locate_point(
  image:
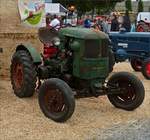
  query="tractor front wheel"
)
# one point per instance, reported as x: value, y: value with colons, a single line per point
x: 131, y: 90
x: 56, y: 100
x: 146, y: 68
x: 136, y: 64
x: 23, y: 74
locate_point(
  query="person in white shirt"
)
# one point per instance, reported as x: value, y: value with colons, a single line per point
x: 55, y: 23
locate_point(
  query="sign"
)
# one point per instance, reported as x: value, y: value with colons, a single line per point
x: 32, y: 12
x: 55, y: 8
x: 123, y: 45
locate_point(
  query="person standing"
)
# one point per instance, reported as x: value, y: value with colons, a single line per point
x: 55, y: 23
x: 87, y: 22
x: 105, y: 25
x: 126, y: 22
x: 114, y: 23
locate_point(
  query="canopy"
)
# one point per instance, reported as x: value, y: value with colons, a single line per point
x: 55, y: 8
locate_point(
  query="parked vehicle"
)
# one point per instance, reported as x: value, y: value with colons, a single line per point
x: 143, y: 22
x: 134, y: 46
x: 76, y: 59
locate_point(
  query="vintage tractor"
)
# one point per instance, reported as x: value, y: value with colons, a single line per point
x: 75, y: 63
x: 132, y: 46
x: 143, y: 22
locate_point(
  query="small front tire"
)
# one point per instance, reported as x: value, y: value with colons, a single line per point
x: 56, y: 100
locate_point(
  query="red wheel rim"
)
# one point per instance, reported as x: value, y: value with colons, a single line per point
x: 54, y: 101
x: 148, y: 69
x: 129, y: 91
x: 18, y: 75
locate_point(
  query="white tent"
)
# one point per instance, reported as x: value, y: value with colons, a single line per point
x: 55, y: 8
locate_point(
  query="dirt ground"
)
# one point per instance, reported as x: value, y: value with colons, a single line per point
x: 9, y: 42
x: 94, y: 118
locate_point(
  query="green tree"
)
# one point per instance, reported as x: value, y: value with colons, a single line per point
x: 104, y: 8
x: 87, y: 5
x: 128, y: 5
x: 140, y: 6
x: 82, y: 6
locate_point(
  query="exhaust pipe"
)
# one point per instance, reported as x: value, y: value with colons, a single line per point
x: 1, y: 50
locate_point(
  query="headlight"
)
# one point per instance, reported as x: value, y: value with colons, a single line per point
x: 56, y: 41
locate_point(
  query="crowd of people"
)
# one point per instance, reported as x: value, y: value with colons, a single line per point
x: 111, y: 23
x: 102, y: 23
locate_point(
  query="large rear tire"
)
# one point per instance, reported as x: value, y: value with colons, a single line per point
x: 56, y: 100
x: 146, y: 69
x: 23, y: 74
x: 131, y: 91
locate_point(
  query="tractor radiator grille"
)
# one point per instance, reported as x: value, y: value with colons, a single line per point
x: 95, y: 49
x: 92, y: 49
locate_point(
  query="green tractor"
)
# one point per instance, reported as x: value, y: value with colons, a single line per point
x: 75, y: 63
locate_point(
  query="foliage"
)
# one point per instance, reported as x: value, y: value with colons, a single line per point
x: 104, y: 8
x: 140, y: 6
x: 128, y: 5
x: 83, y: 6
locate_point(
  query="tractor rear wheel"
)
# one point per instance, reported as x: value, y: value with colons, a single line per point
x: 131, y: 89
x: 23, y: 74
x: 56, y: 100
x: 136, y: 64
x: 146, y: 68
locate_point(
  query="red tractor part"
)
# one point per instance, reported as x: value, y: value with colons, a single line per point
x: 143, y: 27
x: 146, y: 68
x: 49, y: 51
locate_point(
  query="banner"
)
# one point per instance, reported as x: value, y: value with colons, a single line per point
x: 32, y: 12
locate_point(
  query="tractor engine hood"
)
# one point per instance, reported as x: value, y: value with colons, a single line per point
x: 130, y: 34
x: 82, y: 33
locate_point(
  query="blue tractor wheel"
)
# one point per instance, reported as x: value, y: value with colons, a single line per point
x: 146, y: 68
x: 136, y: 64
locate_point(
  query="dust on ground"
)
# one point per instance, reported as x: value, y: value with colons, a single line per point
x: 94, y: 118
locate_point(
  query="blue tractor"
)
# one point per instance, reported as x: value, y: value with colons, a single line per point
x: 134, y: 46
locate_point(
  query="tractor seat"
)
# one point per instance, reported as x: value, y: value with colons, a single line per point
x: 46, y: 35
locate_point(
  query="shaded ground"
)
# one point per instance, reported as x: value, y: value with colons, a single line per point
x: 94, y: 118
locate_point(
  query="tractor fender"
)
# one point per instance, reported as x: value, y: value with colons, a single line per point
x: 36, y: 57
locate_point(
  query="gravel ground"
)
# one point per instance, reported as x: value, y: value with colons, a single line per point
x: 133, y: 130
x: 93, y: 119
